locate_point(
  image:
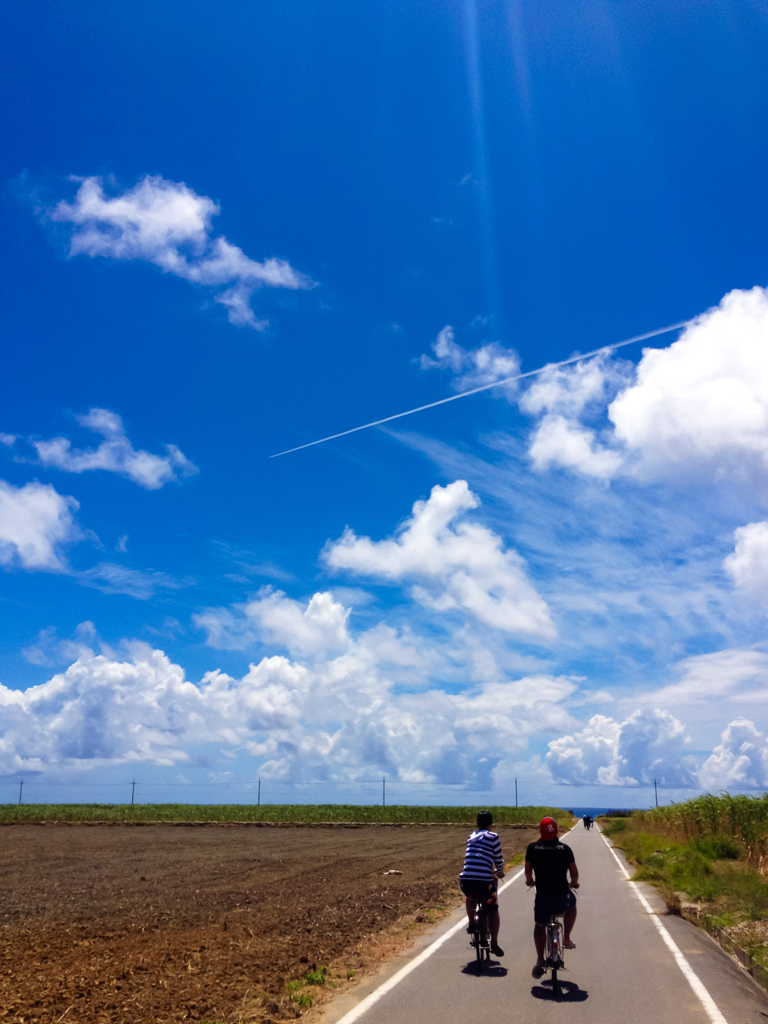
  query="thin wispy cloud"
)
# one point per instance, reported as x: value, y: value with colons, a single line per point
x: 168, y: 224
x: 112, y: 578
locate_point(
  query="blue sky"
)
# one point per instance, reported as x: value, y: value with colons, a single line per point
x: 230, y: 230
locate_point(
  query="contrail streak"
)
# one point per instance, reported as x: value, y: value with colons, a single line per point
x: 487, y: 387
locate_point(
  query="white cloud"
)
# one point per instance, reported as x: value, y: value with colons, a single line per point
x: 112, y: 578
x: 168, y: 224
x: 101, y: 710
x: 647, y: 745
x: 273, y: 618
x: 557, y: 441
x: 748, y: 565
x: 115, y: 454
x: 455, y: 564
x: 9, y: 440
x: 326, y: 715
x: 35, y: 524
x: 335, y: 708
x: 472, y: 368
x: 733, y: 675
x: 48, y: 648
x: 560, y: 396
x: 569, y: 390
x: 704, y: 399
x: 739, y: 761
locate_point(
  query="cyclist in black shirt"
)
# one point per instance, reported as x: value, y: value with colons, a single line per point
x: 548, y: 863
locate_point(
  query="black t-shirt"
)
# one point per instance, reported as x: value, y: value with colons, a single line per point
x: 550, y: 859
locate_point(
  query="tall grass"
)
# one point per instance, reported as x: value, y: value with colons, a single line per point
x: 740, y: 818
x: 268, y: 813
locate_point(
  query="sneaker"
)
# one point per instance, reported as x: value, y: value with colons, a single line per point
x: 538, y: 969
x: 496, y: 949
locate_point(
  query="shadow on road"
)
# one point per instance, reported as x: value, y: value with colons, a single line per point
x: 569, y: 992
x: 490, y: 969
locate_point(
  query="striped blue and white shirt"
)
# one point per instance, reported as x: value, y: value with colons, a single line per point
x: 483, y: 852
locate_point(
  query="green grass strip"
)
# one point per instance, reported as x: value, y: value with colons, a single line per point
x: 278, y: 813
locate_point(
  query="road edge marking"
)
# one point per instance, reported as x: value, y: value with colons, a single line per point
x: 710, y: 1006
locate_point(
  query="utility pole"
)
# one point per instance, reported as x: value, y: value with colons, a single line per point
x: 133, y: 791
x: 383, y: 792
x: 515, y: 792
x: 655, y: 790
x: 258, y: 795
x: 21, y: 786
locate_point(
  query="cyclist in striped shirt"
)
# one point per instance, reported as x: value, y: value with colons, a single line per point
x: 483, y: 864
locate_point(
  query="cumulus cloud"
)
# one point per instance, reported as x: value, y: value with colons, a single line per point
x: 739, y: 761
x: 455, y: 564
x: 35, y: 524
x: 115, y: 454
x: 569, y: 390
x: 704, y: 399
x: 474, y: 367
x: 274, y: 618
x: 748, y: 565
x: 561, y: 396
x: 557, y: 441
x: 700, y: 403
x: 334, y: 707
x: 313, y: 715
x: 168, y: 224
x: 647, y: 745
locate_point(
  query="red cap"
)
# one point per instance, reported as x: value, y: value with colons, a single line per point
x: 548, y: 828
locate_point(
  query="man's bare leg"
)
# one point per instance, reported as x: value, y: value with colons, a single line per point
x: 569, y: 918
x: 539, y: 940
x: 494, y: 920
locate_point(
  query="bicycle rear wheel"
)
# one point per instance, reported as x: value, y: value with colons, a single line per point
x: 481, y: 938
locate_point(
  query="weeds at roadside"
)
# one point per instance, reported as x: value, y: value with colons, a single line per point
x: 704, y: 870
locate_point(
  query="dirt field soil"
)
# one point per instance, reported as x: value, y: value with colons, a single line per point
x: 134, y: 925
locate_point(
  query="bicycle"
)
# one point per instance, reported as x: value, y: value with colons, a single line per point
x: 553, y: 948
x: 481, y: 935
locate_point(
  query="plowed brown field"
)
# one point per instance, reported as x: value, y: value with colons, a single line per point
x: 140, y: 924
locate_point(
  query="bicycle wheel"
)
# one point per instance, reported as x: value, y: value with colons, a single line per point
x: 477, y: 937
x: 555, y: 983
x: 481, y: 938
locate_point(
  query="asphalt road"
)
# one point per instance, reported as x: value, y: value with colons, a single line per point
x: 631, y: 964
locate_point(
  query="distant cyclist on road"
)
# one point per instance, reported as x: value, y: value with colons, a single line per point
x: 587, y: 819
x: 548, y: 863
x: 483, y: 864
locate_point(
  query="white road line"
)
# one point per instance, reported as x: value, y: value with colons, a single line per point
x: 706, y: 1000
x: 362, y: 1007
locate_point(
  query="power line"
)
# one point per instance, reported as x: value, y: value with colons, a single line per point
x: 487, y: 387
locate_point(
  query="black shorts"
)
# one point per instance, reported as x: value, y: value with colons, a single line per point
x: 545, y: 905
x: 480, y: 890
